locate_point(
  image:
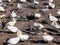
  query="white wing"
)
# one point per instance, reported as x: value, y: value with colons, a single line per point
x: 13, y: 14
x: 24, y: 37
x: 12, y: 28
x: 13, y: 40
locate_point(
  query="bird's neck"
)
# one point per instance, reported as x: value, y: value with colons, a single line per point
x: 19, y: 33
x: 14, y: 19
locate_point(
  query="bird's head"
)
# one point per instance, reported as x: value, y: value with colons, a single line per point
x: 45, y: 33
x: 19, y: 33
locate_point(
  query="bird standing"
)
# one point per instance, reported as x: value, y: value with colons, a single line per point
x: 52, y: 18
x: 55, y: 25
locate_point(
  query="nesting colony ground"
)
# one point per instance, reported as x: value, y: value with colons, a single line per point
x: 23, y: 25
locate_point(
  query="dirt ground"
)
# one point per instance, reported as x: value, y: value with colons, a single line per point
x: 23, y: 25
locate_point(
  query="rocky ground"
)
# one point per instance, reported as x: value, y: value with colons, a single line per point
x: 23, y: 25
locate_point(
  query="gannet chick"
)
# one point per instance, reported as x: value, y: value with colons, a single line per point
x: 23, y: 0
x: 23, y: 37
x: 51, y: 5
x: 52, y: 18
x: 13, y: 14
x: 58, y: 12
x: 40, y: 26
x: 12, y: 23
x: 13, y: 41
x: 2, y: 8
x: 51, y: 0
x: 19, y: 6
x: 47, y: 37
x: 55, y: 25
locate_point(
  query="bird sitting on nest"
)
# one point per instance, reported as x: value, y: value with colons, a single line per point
x: 12, y: 28
x: 51, y: 5
x: 47, y: 37
x: 58, y: 12
x: 55, y: 25
x: 51, y: 18
x: 35, y: 15
x: 13, y: 41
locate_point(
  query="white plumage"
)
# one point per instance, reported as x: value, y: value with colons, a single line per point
x: 19, y: 33
x: 1, y: 16
x: 38, y: 24
x: 58, y: 12
x: 12, y: 23
x: 19, y: 6
x: 51, y: 5
x: 55, y: 25
x: 36, y: 2
x: 47, y: 37
x: 13, y: 14
x: 2, y: 8
x: 13, y: 41
x: 9, y: 0
x: 23, y: 0
x: 52, y: 18
x: 23, y: 37
x: 0, y: 1
x: 37, y: 15
x: 50, y: 0
x: 35, y: 24
x: 12, y: 28
x: 19, y: 37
